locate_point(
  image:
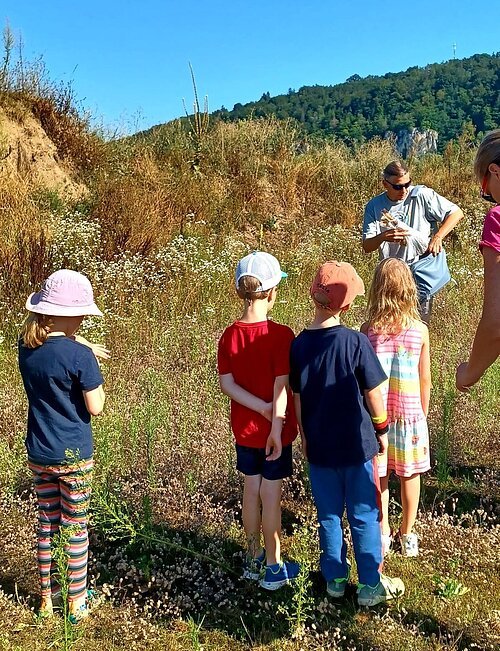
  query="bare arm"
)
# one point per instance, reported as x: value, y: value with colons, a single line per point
x: 99, y: 350
x: 94, y: 400
x: 448, y: 224
x: 486, y: 346
x: 279, y: 412
x: 244, y: 397
x: 424, y: 371
x: 376, y: 407
x: 298, y: 414
x: 371, y: 244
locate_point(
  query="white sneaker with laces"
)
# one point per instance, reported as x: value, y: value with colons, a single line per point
x: 409, y: 544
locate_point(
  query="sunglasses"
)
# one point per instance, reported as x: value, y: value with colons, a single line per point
x: 399, y: 186
x: 484, y: 192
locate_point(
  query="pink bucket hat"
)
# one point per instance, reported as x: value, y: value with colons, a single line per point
x: 64, y: 293
x: 336, y: 285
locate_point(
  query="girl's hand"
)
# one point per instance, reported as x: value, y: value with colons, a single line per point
x: 99, y: 350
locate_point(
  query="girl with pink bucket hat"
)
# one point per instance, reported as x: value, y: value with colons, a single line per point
x: 63, y: 383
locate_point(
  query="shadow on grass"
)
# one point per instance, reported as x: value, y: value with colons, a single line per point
x: 170, y: 574
x: 167, y: 573
x: 466, y: 490
x: 447, y: 636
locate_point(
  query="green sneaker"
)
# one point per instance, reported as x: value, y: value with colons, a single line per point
x: 385, y: 590
x: 336, y: 587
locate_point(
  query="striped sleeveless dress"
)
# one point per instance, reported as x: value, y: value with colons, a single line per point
x: 408, y: 451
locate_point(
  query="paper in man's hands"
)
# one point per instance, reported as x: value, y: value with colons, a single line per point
x: 414, y: 241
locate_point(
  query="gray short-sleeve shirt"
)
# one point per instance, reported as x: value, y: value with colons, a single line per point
x: 418, y: 209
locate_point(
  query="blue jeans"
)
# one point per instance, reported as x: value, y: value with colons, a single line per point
x: 357, y: 488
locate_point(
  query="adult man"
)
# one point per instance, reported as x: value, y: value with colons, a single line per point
x: 408, y: 222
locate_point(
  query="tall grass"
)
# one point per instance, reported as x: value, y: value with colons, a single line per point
x: 166, y: 281
x: 160, y: 244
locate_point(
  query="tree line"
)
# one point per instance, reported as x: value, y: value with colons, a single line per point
x: 447, y: 97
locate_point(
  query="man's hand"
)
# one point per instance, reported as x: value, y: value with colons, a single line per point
x: 395, y: 235
x: 273, y: 443
x: 435, y: 244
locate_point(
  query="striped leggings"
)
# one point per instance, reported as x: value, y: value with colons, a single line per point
x: 63, y: 494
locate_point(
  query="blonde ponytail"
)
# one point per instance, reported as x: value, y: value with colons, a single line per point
x: 35, y: 329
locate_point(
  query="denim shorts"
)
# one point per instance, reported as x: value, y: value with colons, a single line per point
x: 252, y: 461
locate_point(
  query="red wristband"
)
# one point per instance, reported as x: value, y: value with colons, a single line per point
x: 381, y: 428
x: 381, y: 431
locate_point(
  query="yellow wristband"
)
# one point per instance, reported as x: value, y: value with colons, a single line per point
x: 379, y: 419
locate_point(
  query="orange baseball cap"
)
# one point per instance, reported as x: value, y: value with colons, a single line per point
x: 336, y: 285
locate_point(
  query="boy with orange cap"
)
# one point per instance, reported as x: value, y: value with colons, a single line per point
x: 336, y: 378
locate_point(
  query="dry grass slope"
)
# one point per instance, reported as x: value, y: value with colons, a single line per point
x: 159, y: 240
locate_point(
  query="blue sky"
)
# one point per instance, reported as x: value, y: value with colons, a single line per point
x: 128, y: 60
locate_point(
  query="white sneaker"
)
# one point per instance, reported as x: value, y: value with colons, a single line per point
x: 409, y: 544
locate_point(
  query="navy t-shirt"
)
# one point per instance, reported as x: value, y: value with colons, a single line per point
x: 331, y: 368
x: 55, y: 375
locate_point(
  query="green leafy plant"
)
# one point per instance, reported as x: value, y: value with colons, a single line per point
x: 448, y: 587
x: 444, y: 435
x: 60, y: 545
x: 193, y: 633
x: 299, y: 611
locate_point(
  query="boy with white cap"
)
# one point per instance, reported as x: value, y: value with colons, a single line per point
x: 253, y: 365
x: 336, y: 378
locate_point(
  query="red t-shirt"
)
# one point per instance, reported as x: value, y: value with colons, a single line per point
x: 256, y: 354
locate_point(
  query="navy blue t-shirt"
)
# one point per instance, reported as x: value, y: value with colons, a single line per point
x: 331, y: 368
x: 55, y: 375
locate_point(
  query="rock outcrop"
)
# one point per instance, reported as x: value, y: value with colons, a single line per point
x: 412, y: 142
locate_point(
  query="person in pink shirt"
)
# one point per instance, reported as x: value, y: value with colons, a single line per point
x: 486, y: 346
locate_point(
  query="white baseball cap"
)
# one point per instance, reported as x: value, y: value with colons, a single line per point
x: 262, y: 266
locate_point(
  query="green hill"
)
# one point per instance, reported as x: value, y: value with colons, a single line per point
x: 441, y: 96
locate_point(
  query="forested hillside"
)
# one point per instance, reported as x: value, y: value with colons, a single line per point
x: 158, y: 224
x: 444, y: 97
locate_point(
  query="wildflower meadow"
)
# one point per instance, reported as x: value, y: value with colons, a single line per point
x: 159, y: 238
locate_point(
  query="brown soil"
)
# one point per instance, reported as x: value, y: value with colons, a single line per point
x: 27, y: 151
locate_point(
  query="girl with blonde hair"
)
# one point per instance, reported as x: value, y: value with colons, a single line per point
x: 401, y: 342
x: 63, y: 384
